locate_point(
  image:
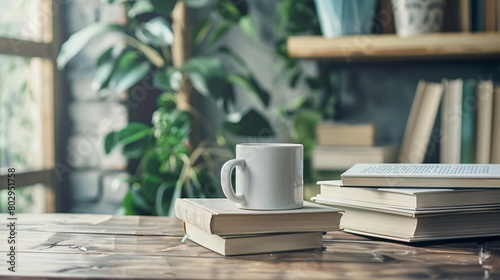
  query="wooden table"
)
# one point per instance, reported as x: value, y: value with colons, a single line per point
x: 104, y: 246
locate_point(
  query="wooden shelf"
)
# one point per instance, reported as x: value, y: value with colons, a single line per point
x: 387, y: 46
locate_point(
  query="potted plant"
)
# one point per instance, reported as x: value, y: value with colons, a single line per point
x: 170, y: 163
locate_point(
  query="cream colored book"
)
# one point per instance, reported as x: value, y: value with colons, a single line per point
x: 343, y: 157
x: 409, y: 198
x: 413, y: 227
x: 423, y: 175
x: 221, y: 216
x: 231, y: 245
x: 420, y: 122
x: 484, y: 97
x: 341, y: 134
x: 451, y: 121
x: 495, y: 133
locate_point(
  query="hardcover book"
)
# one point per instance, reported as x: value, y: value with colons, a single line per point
x: 344, y: 134
x: 484, y: 97
x: 451, y: 121
x: 412, y: 226
x: 495, y: 128
x: 423, y: 175
x: 343, y: 157
x: 408, y: 198
x: 222, y: 217
x: 230, y: 245
x: 420, y: 122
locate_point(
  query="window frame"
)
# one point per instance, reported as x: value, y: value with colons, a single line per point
x: 47, y: 49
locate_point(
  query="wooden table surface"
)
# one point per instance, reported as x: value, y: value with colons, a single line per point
x: 103, y: 246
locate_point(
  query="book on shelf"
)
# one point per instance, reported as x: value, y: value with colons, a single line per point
x: 343, y: 157
x: 497, y: 14
x: 451, y: 121
x: 231, y: 245
x: 477, y: 15
x: 420, y: 122
x: 484, y: 97
x: 345, y: 134
x: 468, y: 126
x: 423, y: 175
x: 489, y: 15
x: 221, y: 216
x: 465, y: 15
x: 409, y: 198
x: 495, y: 130
x: 412, y: 226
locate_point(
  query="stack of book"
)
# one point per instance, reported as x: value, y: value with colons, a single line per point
x: 340, y: 145
x: 417, y: 202
x: 218, y: 225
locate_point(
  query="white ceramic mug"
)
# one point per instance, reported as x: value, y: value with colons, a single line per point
x: 269, y: 176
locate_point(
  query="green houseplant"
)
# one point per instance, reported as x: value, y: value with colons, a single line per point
x: 299, y: 17
x: 170, y: 164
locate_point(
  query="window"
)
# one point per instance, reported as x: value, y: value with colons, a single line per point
x: 29, y: 87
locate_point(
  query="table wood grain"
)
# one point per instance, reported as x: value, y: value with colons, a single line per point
x: 86, y: 246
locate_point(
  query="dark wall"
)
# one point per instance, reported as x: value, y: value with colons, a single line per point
x: 382, y: 91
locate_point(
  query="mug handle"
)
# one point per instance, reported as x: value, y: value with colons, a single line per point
x: 225, y: 179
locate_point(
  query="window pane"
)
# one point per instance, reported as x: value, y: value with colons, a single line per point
x: 21, y: 111
x: 23, y: 19
x: 29, y: 199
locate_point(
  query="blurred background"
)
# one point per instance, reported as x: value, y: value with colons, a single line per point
x: 122, y: 106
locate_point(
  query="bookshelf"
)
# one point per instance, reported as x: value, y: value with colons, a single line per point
x: 390, y: 46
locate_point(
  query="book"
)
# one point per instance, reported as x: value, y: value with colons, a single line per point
x: 231, y: 245
x: 497, y: 15
x: 465, y: 16
x: 221, y: 216
x: 420, y: 122
x: 342, y: 134
x: 423, y: 175
x: 484, y: 97
x: 468, y: 131
x: 414, y: 226
x: 451, y: 121
x: 495, y: 130
x: 477, y: 15
x: 489, y: 15
x: 408, y: 198
x: 343, y: 157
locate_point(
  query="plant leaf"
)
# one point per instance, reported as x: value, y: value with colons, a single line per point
x: 110, y: 142
x: 140, y: 8
x: 228, y: 11
x: 129, y: 70
x: 138, y: 148
x: 251, y: 123
x: 78, y: 40
x: 220, y: 31
x: 250, y: 84
x: 247, y: 24
x: 206, y: 75
x: 227, y: 51
x: 156, y: 32
x: 133, y: 132
x: 163, y: 7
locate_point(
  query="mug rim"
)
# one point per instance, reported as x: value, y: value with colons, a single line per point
x: 269, y: 145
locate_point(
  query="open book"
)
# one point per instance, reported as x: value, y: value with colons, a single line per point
x: 423, y: 175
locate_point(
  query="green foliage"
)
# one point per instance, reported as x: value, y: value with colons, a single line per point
x: 168, y: 166
x: 299, y: 17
